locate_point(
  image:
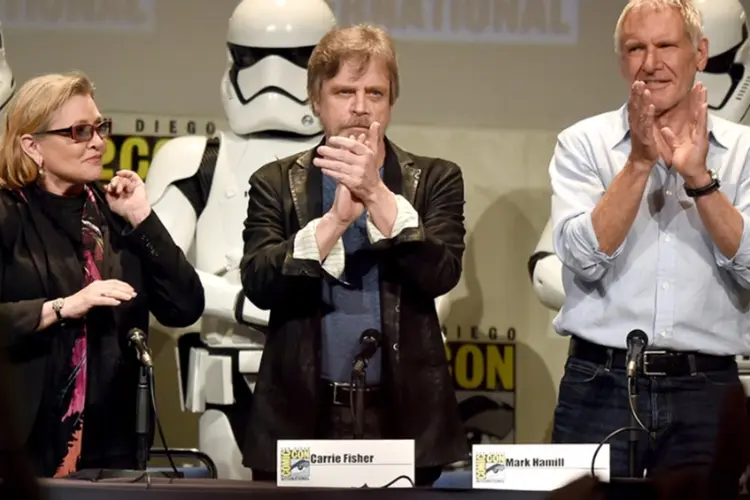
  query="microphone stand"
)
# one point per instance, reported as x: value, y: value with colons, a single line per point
x: 636, y: 341
x: 633, y: 424
x: 370, y: 341
x: 144, y: 419
x: 357, y: 405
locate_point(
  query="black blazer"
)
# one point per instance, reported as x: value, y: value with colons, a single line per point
x: 38, y: 263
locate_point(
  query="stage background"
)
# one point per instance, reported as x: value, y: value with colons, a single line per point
x: 491, y: 97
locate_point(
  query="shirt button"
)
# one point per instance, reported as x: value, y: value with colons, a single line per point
x: 397, y: 308
x: 395, y: 346
x: 665, y: 286
x: 668, y: 192
x: 667, y: 238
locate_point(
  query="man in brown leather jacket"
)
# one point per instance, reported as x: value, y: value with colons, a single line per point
x: 355, y: 234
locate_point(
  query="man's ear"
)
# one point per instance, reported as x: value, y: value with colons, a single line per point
x: 701, y: 54
x: 30, y: 146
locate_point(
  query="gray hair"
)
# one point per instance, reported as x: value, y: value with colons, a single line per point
x: 690, y: 15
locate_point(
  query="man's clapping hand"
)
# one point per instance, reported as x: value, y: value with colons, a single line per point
x: 347, y: 207
x: 354, y: 162
x: 686, y: 148
x: 641, y: 118
x: 689, y: 147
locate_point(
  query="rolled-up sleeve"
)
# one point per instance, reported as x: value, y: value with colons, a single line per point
x: 406, y: 218
x: 306, y: 247
x: 739, y: 265
x: 576, y: 189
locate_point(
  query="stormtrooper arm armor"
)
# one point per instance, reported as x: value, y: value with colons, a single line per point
x: 545, y: 269
x: 176, y: 160
x: 179, y: 217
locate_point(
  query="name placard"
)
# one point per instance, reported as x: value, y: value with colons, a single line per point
x: 535, y: 467
x: 350, y: 463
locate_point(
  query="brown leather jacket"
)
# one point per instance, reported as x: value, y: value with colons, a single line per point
x: 416, y: 267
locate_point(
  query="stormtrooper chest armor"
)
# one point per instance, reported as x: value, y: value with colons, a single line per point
x: 219, y: 245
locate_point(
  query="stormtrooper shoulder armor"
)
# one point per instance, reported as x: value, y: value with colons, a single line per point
x: 178, y: 161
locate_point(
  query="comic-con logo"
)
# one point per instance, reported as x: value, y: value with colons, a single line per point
x: 295, y: 464
x: 489, y: 467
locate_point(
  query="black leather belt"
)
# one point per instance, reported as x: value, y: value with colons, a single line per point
x: 339, y: 394
x: 655, y: 363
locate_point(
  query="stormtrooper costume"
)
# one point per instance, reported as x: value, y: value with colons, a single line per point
x: 198, y: 187
x: 726, y: 77
x: 7, y: 82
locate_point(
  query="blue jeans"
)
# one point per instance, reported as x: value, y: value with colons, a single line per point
x: 684, y: 411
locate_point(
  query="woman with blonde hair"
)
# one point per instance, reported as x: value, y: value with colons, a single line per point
x: 80, y: 265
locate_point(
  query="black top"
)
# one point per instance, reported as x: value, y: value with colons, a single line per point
x: 52, y: 432
x: 65, y: 212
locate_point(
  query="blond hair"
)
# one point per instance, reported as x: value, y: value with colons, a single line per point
x: 30, y: 111
x: 360, y: 44
x: 690, y: 14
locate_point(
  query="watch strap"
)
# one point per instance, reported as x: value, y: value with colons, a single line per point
x: 704, y: 190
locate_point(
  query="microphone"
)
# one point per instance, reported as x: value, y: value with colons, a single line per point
x: 138, y: 339
x: 369, y: 343
x: 637, y: 341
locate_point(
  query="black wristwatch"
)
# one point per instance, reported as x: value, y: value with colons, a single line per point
x: 707, y: 189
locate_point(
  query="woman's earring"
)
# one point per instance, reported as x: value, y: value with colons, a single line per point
x: 41, y: 168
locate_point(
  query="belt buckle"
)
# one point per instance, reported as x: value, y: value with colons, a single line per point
x: 645, y: 363
x: 336, y: 387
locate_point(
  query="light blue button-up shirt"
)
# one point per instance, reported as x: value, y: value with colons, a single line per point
x: 667, y: 278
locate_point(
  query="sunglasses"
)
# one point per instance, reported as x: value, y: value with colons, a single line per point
x: 84, y: 132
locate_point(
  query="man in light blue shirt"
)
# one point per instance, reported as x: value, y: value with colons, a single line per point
x: 650, y: 210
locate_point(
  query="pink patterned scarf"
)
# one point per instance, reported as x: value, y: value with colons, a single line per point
x: 93, y: 255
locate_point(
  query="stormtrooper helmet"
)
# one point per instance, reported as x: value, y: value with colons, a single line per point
x: 726, y: 75
x: 264, y: 87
